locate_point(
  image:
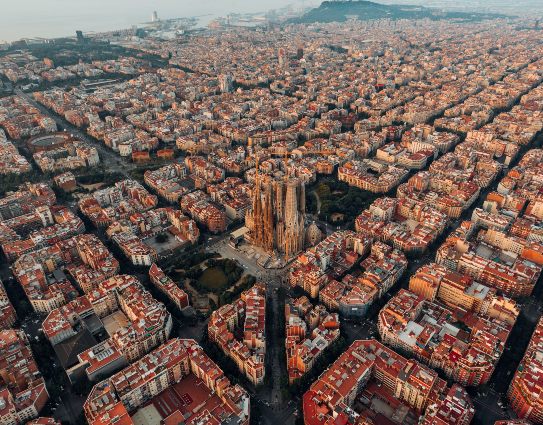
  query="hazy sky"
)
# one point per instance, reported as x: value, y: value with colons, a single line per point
x: 54, y: 18
x: 50, y: 18
x: 531, y: 8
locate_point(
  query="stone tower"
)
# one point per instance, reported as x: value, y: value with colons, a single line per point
x: 277, y: 218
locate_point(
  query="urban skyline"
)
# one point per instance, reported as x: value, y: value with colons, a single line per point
x: 322, y: 214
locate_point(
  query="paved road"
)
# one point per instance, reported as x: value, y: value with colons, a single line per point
x: 250, y: 265
x: 367, y: 329
x: 269, y: 415
x: 278, y: 411
x: 274, y: 348
x: 107, y: 156
x: 488, y: 403
x: 195, y: 332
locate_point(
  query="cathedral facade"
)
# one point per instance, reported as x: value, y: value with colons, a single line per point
x: 276, y: 220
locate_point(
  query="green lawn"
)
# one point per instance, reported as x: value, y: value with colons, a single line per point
x: 213, y: 278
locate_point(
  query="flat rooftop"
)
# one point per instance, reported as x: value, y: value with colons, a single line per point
x: 147, y: 415
x: 188, y: 396
x: 115, y: 321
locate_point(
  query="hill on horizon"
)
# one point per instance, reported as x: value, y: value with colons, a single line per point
x: 341, y: 11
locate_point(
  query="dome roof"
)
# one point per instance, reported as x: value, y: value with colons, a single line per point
x: 313, y: 235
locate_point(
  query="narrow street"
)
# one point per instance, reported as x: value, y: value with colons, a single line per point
x: 272, y: 402
x: 276, y: 346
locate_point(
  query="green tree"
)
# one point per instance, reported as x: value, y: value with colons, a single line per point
x: 161, y: 238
